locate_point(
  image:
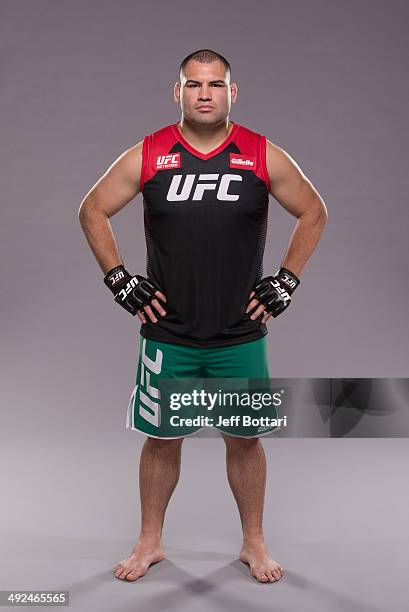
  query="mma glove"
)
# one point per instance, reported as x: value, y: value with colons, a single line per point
x: 275, y: 291
x: 131, y: 292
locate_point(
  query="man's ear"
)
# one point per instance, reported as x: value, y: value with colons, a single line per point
x: 234, y: 91
x: 176, y: 92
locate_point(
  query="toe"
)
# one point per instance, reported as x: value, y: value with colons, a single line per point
x: 271, y: 576
x: 123, y: 574
x: 262, y: 578
x: 132, y: 575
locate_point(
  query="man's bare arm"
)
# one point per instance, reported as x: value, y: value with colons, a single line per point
x: 116, y: 188
x: 295, y: 192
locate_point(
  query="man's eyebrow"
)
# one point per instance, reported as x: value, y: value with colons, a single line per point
x: 199, y: 82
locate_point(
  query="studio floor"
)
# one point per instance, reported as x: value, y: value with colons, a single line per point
x: 335, y: 518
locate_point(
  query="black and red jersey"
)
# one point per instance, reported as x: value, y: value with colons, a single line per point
x: 205, y: 219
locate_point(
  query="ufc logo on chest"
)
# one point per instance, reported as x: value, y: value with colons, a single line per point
x: 181, y: 186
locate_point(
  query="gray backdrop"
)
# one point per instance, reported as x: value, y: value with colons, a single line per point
x: 80, y: 83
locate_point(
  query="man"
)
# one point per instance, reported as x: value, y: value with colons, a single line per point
x: 204, y: 304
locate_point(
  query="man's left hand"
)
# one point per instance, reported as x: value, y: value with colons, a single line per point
x: 272, y: 295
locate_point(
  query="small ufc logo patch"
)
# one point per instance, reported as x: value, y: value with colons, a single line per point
x: 169, y: 161
x: 245, y: 162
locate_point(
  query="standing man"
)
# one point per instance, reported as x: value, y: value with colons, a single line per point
x: 203, y: 304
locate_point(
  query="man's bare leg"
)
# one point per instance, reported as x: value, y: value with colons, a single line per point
x: 246, y: 472
x: 159, y: 470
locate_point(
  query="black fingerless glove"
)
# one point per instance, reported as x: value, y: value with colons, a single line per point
x: 131, y: 292
x: 274, y: 292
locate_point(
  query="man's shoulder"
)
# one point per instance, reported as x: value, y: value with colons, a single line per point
x: 160, y: 141
x: 160, y: 133
x: 249, y: 138
x: 250, y: 142
x: 249, y: 132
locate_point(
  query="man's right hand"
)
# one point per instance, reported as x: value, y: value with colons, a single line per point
x: 135, y: 293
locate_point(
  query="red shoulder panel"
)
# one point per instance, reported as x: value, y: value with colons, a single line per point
x: 254, y: 144
x: 155, y: 144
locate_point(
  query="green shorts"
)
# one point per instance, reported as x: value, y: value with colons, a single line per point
x: 181, y: 389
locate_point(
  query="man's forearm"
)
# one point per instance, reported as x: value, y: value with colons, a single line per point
x: 100, y: 237
x: 303, y: 241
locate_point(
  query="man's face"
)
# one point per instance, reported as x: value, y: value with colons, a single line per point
x: 205, y: 93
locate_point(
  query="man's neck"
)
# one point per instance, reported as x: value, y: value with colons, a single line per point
x: 204, y: 138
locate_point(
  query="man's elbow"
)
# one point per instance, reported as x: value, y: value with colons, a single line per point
x: 318, y: 211
x: 81, y: 211
x: 312, y: 206
x: 87, y: 209
x: 315, y: 213
x: 84, y: 211
x: 322, y: 212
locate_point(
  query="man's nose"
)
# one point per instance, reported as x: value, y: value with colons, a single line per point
x: 204, y: 93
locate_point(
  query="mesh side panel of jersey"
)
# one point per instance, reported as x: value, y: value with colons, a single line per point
x: 260, y: 249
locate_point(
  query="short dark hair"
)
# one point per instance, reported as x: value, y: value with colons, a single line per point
x: 206, y: 56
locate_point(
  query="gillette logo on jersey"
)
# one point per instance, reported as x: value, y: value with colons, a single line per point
x: 241, y: 162
x: 205, y: 217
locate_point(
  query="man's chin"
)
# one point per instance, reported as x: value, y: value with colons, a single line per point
x: 209, y: 118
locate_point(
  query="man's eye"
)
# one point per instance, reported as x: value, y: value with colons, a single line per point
x: 197, y: 85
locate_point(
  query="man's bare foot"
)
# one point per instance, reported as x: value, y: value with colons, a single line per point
x: 143, y: 555
x: 262, y: 566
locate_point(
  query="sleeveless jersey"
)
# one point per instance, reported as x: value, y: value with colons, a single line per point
x: 205, y: 218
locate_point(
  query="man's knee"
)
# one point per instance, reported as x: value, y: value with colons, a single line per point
x: 164, y: 443
x: 240, y: 443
